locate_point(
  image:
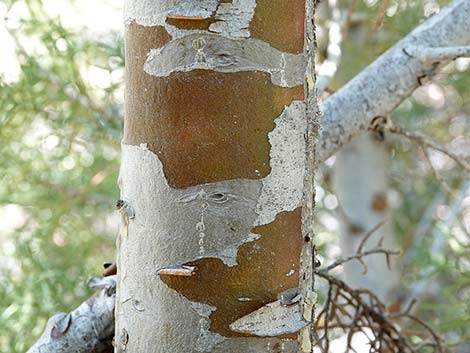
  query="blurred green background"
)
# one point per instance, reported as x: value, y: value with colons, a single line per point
x: 61, y: 113
x: 60, y: 127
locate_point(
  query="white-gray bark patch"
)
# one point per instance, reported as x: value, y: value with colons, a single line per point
x: 273, y: 319
x: 233, y: 19
x: 207, y: 340
x: 202, y: 9
x: 148, y: 12
x: 218, y: 53
x: 283, y: 187
x: 208, y: 220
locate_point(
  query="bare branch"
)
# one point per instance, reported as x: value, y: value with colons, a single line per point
x: 87, y: 329
x: 360, y: 253
x: 426, y: 54
x: 370, y: 313
x: 368, y: 235
x: 384, y: 84
x: 436, y: 173
x: 347, y: 20
x: 365, y: 313
x: 327, y: 312
x: 436, y: 337
x: 381, y: 15
x: 359, y: 256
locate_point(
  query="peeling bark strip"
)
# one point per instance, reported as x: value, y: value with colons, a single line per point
x: 215, y: 170
x: 267, y: 20
x: 239, y: 290
x: 213, y: 52
x: 273, y: 319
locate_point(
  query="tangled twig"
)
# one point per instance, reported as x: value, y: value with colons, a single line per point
x: 351, y: 311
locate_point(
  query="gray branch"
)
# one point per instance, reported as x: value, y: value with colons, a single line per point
x: 87, y: 329
x: 430, y: 55
x: 385, y: 83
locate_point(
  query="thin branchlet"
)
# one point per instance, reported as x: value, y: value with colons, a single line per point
x: 352, y: 311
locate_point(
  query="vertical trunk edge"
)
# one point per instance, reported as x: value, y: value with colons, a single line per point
x: 312, y: 113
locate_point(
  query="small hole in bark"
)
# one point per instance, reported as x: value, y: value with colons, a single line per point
x: 307, y: 239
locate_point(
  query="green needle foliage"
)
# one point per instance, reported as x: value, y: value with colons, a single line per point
x: 59, y: 161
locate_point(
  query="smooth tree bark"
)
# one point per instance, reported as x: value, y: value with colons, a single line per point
x: 215, y: 252
x: 360, y: 181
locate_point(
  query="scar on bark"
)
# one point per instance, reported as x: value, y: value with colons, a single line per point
x: 379, y: 125
x: 261, y: 274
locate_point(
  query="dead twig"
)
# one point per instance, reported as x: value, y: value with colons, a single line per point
x: 428, y: 142
x: 381, y: 15
x: 436, y: 173
x: 359, y: 310
x: 368, y: 235
x: 342, y: 261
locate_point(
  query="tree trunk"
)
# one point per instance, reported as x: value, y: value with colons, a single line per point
x: 360, y: 183
x: 215, y: 249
